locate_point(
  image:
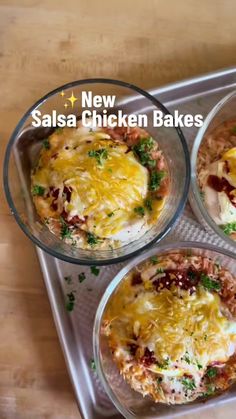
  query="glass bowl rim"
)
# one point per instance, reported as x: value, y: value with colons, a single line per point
x: 10, y: 200
x: 112, y: 287
x: 194, y: 183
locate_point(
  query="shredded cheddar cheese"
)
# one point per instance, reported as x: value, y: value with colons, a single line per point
x: 172, y: 334
x: 107, y: 183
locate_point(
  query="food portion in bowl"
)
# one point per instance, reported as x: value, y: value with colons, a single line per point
x: 100, y: 188
x: 216, y: 173
x: 171, y: 327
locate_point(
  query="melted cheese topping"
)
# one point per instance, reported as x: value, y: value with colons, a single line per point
x: 218, y: 204
x: 230, y: 157
x: 186, y: 332
x: 104, y: 193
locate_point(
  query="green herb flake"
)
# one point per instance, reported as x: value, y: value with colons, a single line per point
x: 70, y: 303
x: 211, y: 372
x: 140, y: 211
x: 154, y: 260
x: 155, y: 180
x: 210, y: 391
x: 92, y: 240
x: 209, y: 283
x: 38, y: 190
x: 110, y: 214
x: 199, y: 366
x: 188, y: 383
x: 46, y: 144
x: 92, y: 365
x: 205, y: 337
x: 186, y: 358
x: 229, y: 228
x: 99, y: 155
x: 65, y: 231
x: 68, y: 279
x: 94, y: 270
x: 160, y: 271
x: 148, y: 204
x: 164, y: 364
x: 142, y: 150
x: 159, y: 380
x: 81, y: 277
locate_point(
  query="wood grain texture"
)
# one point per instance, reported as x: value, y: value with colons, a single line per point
x: 44, y: 44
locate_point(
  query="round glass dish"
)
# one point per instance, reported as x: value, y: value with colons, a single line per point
x: 26, y: 141
x: 224, y: 110
x: 130, y: 403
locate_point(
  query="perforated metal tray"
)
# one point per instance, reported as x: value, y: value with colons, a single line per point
x: 197, y: 95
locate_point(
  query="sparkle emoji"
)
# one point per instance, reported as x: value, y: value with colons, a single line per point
x: 72, y: 99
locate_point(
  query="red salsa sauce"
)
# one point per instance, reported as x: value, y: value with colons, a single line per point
x: 221, y: 185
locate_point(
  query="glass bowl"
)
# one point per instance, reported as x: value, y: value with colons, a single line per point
x: 222, y: 111
x: 130, y: 403
x: 26, y: 141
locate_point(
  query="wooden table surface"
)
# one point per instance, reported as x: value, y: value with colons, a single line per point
x: 44, y: 44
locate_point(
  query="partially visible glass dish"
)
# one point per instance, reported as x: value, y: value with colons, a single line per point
x: 129, y: 402
x: 218, y: 124
x: 23, y: 151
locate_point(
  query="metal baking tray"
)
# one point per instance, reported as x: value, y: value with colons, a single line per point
x: 197, y: 95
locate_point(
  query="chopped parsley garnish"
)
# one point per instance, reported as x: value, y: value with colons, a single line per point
x: 92, y: 365
x: 142, y: 150
x: 38, y: 190
x: 99, y: 155
x: 92, y: 239
x: 186, y: 358
x: 68, y: 279
x: 155, y: 180
x: 148, y: 204
x: 160, y: 271
x: 81, y: 277
x: 211, y: 372
x: 210, y: 284
x: 188, y: 383
x: 205, y: 337
x: 159, y: 379
x: 65, y: 231
x: 154, y: 260
x: 140, y: 211
x: 199, y: 366
x: 94, y: 270
x: 164, y: 364
x: 229, y: 228
x: 110, y: 214
x: 70, y: 301
x: 210, y: 391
